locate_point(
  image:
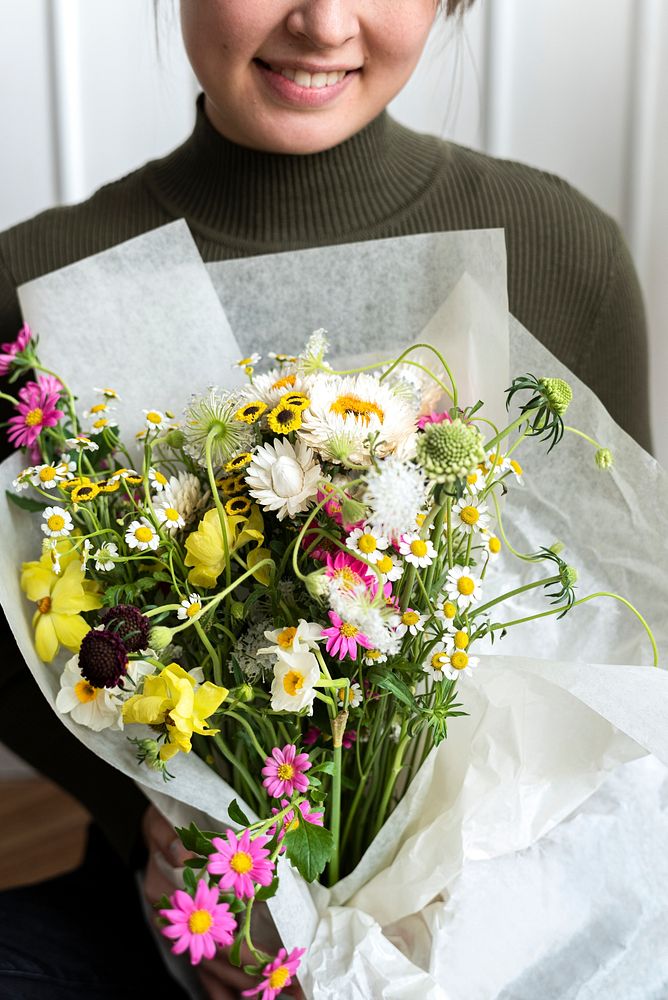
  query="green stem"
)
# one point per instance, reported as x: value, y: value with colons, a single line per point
x: 395, y: 770
x: 523, y: 418
x: 335, y: 825
x: 513, y: 593
x: 249, y: 729
x: 215, y: 659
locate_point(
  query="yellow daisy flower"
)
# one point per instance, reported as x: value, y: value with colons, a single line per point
x: 251, y: 412
x: 284, y: 418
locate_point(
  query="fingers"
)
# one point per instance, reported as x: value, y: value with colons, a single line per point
x: 214, y: 988
x: 160, y: 835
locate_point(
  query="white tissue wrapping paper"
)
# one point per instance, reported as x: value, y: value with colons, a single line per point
x: 528, y: 856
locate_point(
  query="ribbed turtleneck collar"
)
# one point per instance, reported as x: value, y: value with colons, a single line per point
x: 245, y: 197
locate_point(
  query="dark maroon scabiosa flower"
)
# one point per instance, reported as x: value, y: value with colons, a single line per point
x: 103, y: 658
x: 129, y: 623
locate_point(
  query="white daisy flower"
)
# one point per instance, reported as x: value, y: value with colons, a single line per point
x: 49, y: 476
x: 102, y: 424
x: 354, y: 696
x: 82, y: 442
x: 291, y: 639
x: 476, y: 481
x: 283, y: 478
x: 107, y: 392
x: 156, y: 420
x: 283, y: 359
x: 124, y: 474
x: 99, y: 410
x: 168, y: 514
x: 23, y: 480
x: 390, y: 567
x: 517, y: 470
x: 96, y: 708
x: 410, y: 621
x: 395, y: 492
x: 463, y: 586
x: 446, y: 610
x: 295, y: 677
x: 57, y: 522
x: 418, y: 551
x: 492, y: 544
x: 343, y: 412
x: 373, y: 656
x: 55, y: 556
x: 142, y: 535
x: 437, y: 662
x: 157, y: 480
x: 249, y: 362
x: 104, y: 561
x: 87, y: 546
x: 189, y: 607
x: 367, y: 543
x: 459, y: 637
x: 498, y: 462
x: 460, y: 663
x: 470, y: 515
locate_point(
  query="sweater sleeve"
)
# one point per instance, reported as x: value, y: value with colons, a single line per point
x: 28, y: 724
x: 614, y: 363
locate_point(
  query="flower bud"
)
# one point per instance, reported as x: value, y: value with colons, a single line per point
x: 558, y: 393
x: 160, y: 637
x: 317, y: 584
x: 604, y: 458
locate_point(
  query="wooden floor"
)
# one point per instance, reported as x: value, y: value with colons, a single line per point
x: 42, y: 831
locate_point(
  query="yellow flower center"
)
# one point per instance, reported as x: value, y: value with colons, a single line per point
x: 439, y: 660
x: 56, y: 522
x: 461, y: 640
x: 172, y: 514
x: 347, y: 577
x: 159, y: 478
x: 199, y: 921
x: 34, y: 417
x: 419, y: 547
x: 285, y: 772
x: 465, y: 585
x: 350, y: 631
x: 471, y: 479
x: 98, y: 408
x: 286, y: 637
x: 420, y: 519
x: 449, y: 609
x: 193, y: 609
x: 459, y: 660
x: 287, y: 382
x: 44, y: 605
x: 279, y: 977
x: 293, y: 682
x: 153, y: 417
x: 359, y: 409
x: 47, y: 474
x: 241, y: 862
x: 367, y: 544
x: 494, y: 545
x: 85, y: 692
x: 517, y: 468
x: 384, y: 564
x: 143, y: 534
x: 410, y: 618
x: 469, y: 515
x: 102, y: 422
x: 373, y: 654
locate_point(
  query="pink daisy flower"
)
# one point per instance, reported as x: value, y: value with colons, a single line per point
x: 50, y: 384
x: 37, y: 410
x: 289, y: 821
x: 348, y: 572
x: 433, y: 418
x: 277, y: 975
x: 200, y: 923
x: 241, y: 862
x: 343, y: 638
x: 8, y: 351
x: 284, y: 771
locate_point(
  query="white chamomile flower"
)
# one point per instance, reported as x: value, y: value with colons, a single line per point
x: 395, y: 493
x: 390, y: 567
x: 283, y: 359
x: 367, y: 543
x: 293, y: 639
x: 446, y: 610
x: 82, y: 442
x: 373, y: 656
x: 517, y: 470
x: 293, y: 686
x: 55, y: 556
x: 167, y: 514
x: 476, y: 481
x: 49, y: 476
x: 23, y: 480
x: 107, y: 392
x: 283, y: 477
x: 103, y: 423
x: 57, y: 522
x: 99, y: 410
x: 458, y: 637
x: 470, y: 515
x: 104, y: 561
x: 190, y: 606
x: 156, y: 420
x: 96, y: 708
x: 437, y: 662
x: 87, y: 546
x: 463, y: 586
x: 498, y: 462
x: 460, y: 663
x: 492, y: 544
x: 418, y: 551
x: 410, y: 621
x: 249, y: 362
x: 354, y: 696
x: 142, y: 535
x: 157, y: 480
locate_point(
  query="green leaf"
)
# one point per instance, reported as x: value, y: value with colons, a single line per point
x: 235, y: 950
x: 309, y: 848
x: 326, y: 766
x: 25, y: 503
x: 390, y: 682
x: 267, y: 891
x: 236, y: 814
x: 189, y: 880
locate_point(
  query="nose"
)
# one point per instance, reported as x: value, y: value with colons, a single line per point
x: 326, y: 24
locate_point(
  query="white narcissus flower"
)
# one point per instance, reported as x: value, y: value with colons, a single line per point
x: 283, y: 478
x: 295, y: 677
x: 97, y: 708
x: 293, y: 639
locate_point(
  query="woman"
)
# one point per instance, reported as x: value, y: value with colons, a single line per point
x: 293, y: 147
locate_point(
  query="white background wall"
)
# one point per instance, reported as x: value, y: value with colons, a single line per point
x: 577, y: 87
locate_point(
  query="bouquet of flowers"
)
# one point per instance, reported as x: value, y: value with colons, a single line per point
x: 292, y: 584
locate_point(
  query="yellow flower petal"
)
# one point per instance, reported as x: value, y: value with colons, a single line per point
x: 36, y: 581
x: 70, y: 630
x: 149, y: 710
x: 46, y: 640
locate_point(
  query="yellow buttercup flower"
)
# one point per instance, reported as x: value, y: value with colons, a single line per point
x: 206, y: 551
x: 60, y: 599
x: 173, y: 698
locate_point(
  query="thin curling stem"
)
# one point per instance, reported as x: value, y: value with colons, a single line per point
x: 574, y: 430
x: 428, y: 347
x: 526, y: 557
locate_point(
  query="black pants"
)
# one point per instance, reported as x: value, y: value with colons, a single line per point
x: 81, y: 936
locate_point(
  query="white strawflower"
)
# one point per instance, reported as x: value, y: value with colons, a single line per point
x: 188, y: 495
x: 283, y: 478
x: 396, y: 493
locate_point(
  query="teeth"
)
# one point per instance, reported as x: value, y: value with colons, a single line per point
x: 315, y: 80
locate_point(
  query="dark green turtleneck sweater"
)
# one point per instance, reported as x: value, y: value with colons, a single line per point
x: 571, y: 282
